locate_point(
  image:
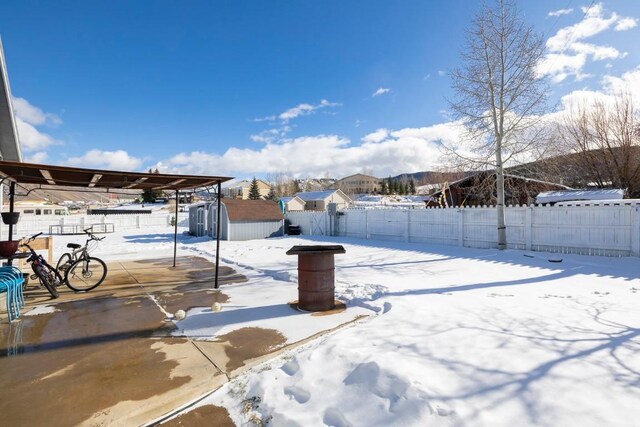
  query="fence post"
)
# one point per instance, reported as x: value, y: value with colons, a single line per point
x: 635, y: 230
x: 528, y: 228
x: 407, y: 228
x: 460, y: 227
x: 366, y: 224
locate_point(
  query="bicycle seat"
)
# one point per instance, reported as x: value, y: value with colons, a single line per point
x: 73, y: 245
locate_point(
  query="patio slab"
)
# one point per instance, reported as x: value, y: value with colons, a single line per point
x: 113, y: 357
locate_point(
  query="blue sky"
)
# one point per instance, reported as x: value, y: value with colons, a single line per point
x: 243, y: 88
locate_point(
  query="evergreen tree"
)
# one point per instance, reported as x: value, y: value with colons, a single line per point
x: 296, y: 186
x: 272, y: 195
x: 150, y: 195
x: 412, y: 187
x: 383, y: 187
x: 254, y: 191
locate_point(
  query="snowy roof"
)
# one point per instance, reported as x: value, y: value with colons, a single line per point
x: 566, y: 195
x: 316, y: 195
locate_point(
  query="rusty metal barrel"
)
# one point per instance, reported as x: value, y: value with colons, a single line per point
x: 316, y: 276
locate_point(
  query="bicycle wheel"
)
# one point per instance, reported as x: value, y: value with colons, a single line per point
x: 47, y: 279
x: 85, y: 274
x: 63, y: 263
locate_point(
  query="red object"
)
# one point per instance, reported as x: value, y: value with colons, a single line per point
x: 316, y: 276
x: 8, y: 247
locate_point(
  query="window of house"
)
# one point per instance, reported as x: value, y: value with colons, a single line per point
x: 47, y: 211
x: 38, y: 212
x: 28, y: 211
x: 60, y: 212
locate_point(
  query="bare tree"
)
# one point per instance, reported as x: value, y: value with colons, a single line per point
x: 605, y: 143
x: 499, y: 96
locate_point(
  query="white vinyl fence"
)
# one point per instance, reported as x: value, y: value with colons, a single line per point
x: 587, y: 230
x: 32, y: 224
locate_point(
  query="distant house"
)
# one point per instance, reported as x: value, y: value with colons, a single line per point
x: 319, y: 200
x: 294, y: 203
x: 239, y: 219
x: 359, y: 184
x: 240, y: 190
x: 575, y: 195
x: 480, y: 189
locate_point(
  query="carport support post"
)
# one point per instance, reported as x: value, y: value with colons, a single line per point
x: 12, y: 196
x: 175, y: 229
x: 218, y: 232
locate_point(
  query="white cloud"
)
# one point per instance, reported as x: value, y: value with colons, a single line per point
x: 441, y: 73
x: 428, y: 76
x: 381, y: 91
x: 31, y: 139
x: 568, y: 53
x: 303, y: 109
x: 626, y: 24
x: 37, y: 157
x: 377, y: 136
x: 271, y: 135
x: 27, y: 118
x: 32, y: 114
x: 560, y: 12
x: 628, y: 83
x: 111, y: 160
x: 384, y: 152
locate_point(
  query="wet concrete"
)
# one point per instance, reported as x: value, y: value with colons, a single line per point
x: 106, y: 356
x: 248, y: 343
x: 203, y: 416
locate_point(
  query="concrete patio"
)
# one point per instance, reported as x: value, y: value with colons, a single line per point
x: 112, y: 357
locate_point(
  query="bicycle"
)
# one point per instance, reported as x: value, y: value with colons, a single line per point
x: 81, y: 271
x: 48, y: 276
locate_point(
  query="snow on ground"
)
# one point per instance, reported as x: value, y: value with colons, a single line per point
x: 460, y: 336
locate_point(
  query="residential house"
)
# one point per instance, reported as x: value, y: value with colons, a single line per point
x: 359, y: 184
x: 240, y: 190
x: 480, y: 189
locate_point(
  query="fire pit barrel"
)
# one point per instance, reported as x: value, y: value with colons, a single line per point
x: 316, y: 276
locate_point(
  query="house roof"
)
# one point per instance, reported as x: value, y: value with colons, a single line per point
x: 245, y: 183
x: 252, y: 210
x: 9, y: 142
x: 567, y: 195
x: 506, y: 175
x: 320, y: 195
x: 289, y: 198
x: 359, y: 174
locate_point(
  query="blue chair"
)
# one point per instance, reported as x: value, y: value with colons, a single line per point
x: 11, y: 282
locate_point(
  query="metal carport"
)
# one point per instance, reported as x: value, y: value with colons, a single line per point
x: 51, y: 177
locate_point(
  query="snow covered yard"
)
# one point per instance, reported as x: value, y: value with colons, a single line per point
x: 459, y: 336
x: 462, y: 337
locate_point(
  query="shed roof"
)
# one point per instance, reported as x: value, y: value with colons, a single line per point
x: 252, y: 210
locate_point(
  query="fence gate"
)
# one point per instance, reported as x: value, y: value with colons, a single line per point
x: 318, y: 224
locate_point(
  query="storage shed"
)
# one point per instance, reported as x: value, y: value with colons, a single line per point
x: 239, y: 219
x: 294, y: 203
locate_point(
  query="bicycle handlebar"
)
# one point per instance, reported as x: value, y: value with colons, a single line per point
x: 93, y: 236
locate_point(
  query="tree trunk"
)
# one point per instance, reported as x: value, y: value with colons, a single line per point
x: 502, y: 229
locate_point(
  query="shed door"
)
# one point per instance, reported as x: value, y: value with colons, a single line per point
x: 200, y: 222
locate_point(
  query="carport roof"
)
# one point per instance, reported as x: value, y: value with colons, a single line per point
x: 48, y: 176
